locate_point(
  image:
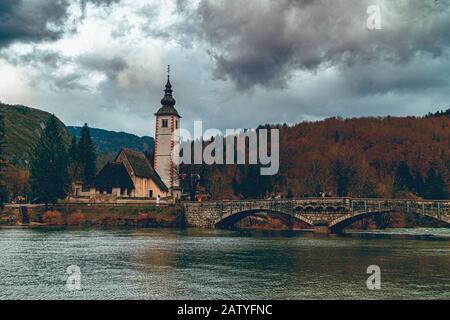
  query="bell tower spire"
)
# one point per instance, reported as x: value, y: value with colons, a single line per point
x: 168, y: 90
x: 167, y: 137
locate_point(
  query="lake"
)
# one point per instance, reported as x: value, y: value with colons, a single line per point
x: 219, y: 264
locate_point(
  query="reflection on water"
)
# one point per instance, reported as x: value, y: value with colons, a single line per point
x: 210, y: 264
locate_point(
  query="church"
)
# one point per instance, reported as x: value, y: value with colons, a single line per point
x: 131, y: 174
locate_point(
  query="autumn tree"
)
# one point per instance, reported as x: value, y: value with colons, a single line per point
x: 49, y: 167
x: 17, y: 182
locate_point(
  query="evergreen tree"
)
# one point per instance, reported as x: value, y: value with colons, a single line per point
x: 290, y: 194
x: 342, y: 179
x: 337, y: 136
x: 74, y: 159
x: 235, y: 186
x: 419, y: 184
x: 49, y: 175
x: 403, y: 180
x: 87, y: 156
x: 73, y: 151
x: 317, y: 190
x: 3, y: 195
x: 436, y: 188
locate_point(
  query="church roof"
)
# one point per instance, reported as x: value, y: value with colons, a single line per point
x: 167, y: 111
x: 114, y: 175
x: 142, y: 167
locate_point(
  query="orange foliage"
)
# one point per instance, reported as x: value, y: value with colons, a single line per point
x: 53, y: 218
x: 362, y: 154
x: 76, y: 219
x: 16, y: 181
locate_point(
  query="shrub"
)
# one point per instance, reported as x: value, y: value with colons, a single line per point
x: 76, y: 219
x: 53, y: 218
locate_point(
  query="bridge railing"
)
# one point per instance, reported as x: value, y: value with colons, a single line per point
x: 431, y: 208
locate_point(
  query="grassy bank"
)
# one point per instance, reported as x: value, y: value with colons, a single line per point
x: 97, y: 216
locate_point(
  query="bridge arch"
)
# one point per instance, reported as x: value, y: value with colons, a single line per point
x: 234, y: 217
x: 348, y: 219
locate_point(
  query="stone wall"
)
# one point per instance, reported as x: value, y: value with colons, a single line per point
x: 199, y: 215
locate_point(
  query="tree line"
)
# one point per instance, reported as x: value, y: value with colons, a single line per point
x: 384, y: 157
x: 364, y: 157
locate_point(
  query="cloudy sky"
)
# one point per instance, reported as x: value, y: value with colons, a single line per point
x: 235, y: 63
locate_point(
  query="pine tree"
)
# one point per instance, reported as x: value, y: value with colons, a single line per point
x: 403, y: 180
x: 290, y: 194
x: 235, y: 186
x: 73, y: 150
x: 74, y: 159
x: 49, y: 175
x: 435, y: 185
x: 3, y: 195
x: 87, y: 156
x: 317, y: 190
x: 342, y: 179
x: 419, y: 184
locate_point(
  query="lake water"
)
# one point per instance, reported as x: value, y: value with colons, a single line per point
x: 215, y: 264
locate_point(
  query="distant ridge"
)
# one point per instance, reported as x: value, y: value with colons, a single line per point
x: 112, y: 141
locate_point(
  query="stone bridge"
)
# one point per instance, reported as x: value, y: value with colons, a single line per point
x: 324, y: 214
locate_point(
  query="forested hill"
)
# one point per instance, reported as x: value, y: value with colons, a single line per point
x: 111, y: 141
x: 361, y: 157
x: 23, y: 127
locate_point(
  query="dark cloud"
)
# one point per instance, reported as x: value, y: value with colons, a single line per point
x: 71, y: 81
x: 111, y: 67
x: 260, y: 42
x: 417, y: 75
x: 39, y: 58
x: 37, y: 20
x: 291, y: 60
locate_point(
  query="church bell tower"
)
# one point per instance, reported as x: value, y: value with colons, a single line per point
x: 167, y: 122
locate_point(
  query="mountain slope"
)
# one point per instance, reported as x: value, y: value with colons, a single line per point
x: 111, y: 141
x: 23, y: 127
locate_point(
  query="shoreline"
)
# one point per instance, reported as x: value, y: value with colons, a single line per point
x: 396, y: 234
x: 62, y: 215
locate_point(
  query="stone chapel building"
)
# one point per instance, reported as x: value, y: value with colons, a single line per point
x: 131, y: 175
